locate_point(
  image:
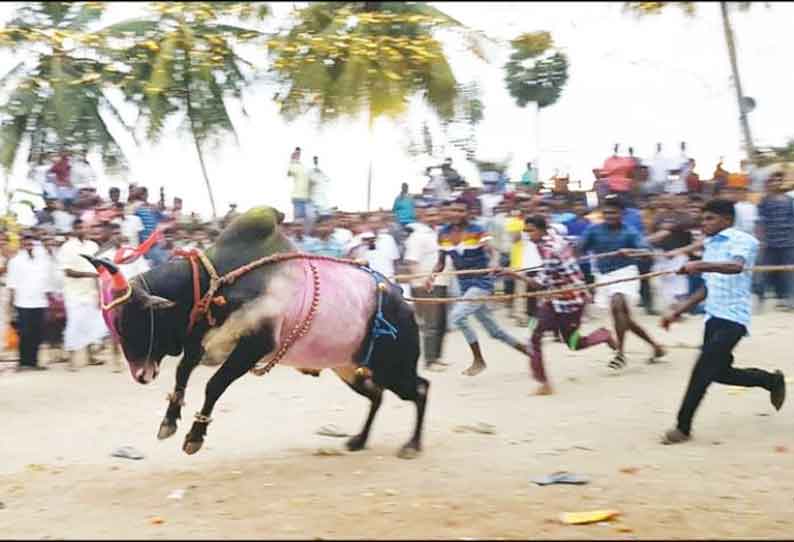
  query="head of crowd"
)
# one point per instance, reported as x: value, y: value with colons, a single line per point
x: 650, y: 189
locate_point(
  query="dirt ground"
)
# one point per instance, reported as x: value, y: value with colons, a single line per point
x: 258, y: 475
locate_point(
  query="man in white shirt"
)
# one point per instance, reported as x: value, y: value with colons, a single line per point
x: 319, y: 190
x: 130, y: 225
x: 84, y: 323
x: 421, y: 255
x: 377, y: 247
x: 63, y: 217
x: 341, y: 233
x: 29, y: 282
x: 679, y: 170
x: 82, y: 174
x: 746, y: 211
x: 658, y: 169
x: 300, y: 189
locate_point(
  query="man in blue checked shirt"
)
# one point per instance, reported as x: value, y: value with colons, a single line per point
x: 728, y: 255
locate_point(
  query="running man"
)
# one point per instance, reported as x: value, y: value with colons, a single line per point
x: 563, y: 313
x: 467, y: 245
x: 610, y: 236
x: 729, y: 254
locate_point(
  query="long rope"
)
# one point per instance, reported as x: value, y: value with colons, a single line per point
x: 632, y: 254
x: 562, y: 291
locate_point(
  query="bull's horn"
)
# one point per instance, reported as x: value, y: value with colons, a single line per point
x: 118, y: 282
x: 99, y: 263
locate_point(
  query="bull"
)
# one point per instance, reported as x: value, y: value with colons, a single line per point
x: 253, y: 318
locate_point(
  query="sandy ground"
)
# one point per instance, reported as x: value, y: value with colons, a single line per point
x: 258, y: 476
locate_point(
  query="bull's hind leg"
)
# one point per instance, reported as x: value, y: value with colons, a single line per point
x: 370, y: 390
x: 176, y: 400
x: 249, y: 349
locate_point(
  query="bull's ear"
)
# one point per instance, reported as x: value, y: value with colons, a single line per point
x: 279, y: 216
x: 157, y: 303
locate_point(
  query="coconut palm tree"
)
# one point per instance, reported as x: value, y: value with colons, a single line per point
x: 344, y: 58
x: 690, y: 8
x: 183, y: 58
x: 55, y: 96
x: 536, y: 72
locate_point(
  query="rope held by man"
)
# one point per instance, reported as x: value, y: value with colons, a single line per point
x: 561, y: 291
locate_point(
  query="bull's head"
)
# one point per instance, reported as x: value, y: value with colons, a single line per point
x: 129, y: 312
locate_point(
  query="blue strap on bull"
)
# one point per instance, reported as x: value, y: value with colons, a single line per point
x: 381, y: 327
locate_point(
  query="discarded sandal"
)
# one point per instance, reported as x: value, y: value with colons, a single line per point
x: 562, y: 477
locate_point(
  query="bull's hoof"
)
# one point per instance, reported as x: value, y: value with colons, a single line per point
x: 166, y: 430
x: 356, y: 443
x: 409, y: 451
x: 192, y: 446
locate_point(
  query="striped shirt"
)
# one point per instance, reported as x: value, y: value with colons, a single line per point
x: 729, y: 296
x: 777, y: 216
x: 466, y: 247
x: 150, y: 218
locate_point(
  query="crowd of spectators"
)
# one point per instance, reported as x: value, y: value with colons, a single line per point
x: 46, y: 283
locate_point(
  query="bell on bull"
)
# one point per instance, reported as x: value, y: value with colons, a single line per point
x: 309, y: 314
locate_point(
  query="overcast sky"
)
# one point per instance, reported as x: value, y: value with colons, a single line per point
x: 634, y: 82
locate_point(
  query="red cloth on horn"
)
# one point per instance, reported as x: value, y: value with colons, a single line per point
x: 126, y: 255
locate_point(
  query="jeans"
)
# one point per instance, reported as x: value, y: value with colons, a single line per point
x: 783, y: 281
x: 434, y: 321
x: 31, y: 333
x: 303, y: 212
x: 715, y: 365
x: 461, y: 312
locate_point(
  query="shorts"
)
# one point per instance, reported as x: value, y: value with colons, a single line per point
x: 629, y: 289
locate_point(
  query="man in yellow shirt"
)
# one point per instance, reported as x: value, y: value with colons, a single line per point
x: 514, y: 227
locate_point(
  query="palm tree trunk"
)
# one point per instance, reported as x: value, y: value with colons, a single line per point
x: 199, y: 151
x: 206, y: 177
x: 726, y: 24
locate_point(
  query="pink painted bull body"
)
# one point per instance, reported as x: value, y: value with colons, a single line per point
x: 346, y: 302
x: 254, y: 318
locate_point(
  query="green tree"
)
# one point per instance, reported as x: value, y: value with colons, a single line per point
x: 343, y: 58
x: 183, y: 58
x: 690, y: 8
x: 55, y: 97
x: 536, y: 72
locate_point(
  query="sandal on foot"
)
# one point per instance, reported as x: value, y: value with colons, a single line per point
x: 618, y: 362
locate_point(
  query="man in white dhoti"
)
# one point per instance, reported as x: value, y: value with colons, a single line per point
x: 84, y: 324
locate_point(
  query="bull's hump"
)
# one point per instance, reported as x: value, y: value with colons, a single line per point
x: 251, y: 235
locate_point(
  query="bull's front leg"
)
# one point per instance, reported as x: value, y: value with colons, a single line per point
x: 248, y: 351
x: 176, y: 400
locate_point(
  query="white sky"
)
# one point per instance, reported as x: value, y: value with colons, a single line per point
x: 633, y: 82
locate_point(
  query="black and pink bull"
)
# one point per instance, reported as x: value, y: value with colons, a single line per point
x: 150, y: 315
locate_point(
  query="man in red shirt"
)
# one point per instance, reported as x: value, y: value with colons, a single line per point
x: 619, y: 172
x: 62, y: 170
